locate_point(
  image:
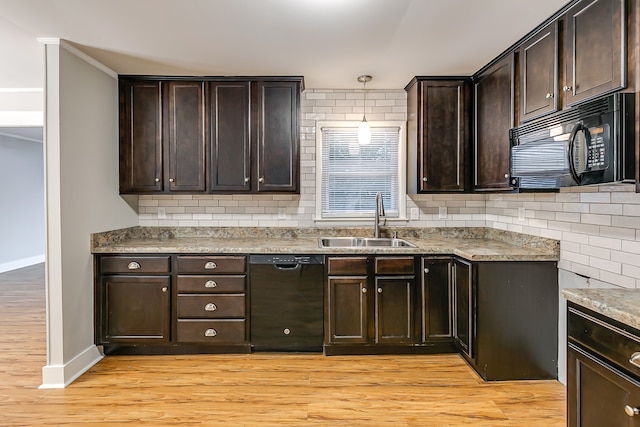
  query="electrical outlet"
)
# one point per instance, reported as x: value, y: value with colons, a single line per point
x: 162, y: 213
x: 520, y: 214
x: 442, y: 212
x: 282, y: 213
x: 415, y: 213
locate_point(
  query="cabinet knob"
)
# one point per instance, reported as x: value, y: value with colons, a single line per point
x: 424, y: 179
x: 246, y: 179
x: 210, y: 284
x: 286, y: 331
x: 506, y: 175
x: 210, y: 333
x: 549, y: 96
x: 631, y: 411
x: 210, y: 307
x: 171, y: 180
x: 364, y: 290
x: 165, y: 289
x: 379, y: 290
x: 426, y: 270
x: 210, y: 266
x: 133, y: 265
x: 635, y: 359
x: 567, y: 88
x: 157, y: 179
x: 261, y: 180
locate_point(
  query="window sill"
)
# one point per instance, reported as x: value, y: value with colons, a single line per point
x: 358, y: 222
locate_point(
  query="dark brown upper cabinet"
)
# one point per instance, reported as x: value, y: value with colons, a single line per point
x: 539, y: 73
x: 230, y: 135
x: 278, y: 136
x: 438, y: 113
x: 210, y: 135
x: 162, y: 145
x: 185, y: 142
x: 493, y: 118
x: 595, y: 49
x: 140, y: 137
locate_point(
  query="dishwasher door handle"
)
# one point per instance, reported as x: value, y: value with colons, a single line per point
x: 288, y: 267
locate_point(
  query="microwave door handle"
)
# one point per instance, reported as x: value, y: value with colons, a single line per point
x: 572, y: 144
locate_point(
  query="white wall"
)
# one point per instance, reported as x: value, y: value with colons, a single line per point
x: 81, y: 169
x: 22, y: 207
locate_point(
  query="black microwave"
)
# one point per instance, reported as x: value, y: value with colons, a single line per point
x: 591, y: 143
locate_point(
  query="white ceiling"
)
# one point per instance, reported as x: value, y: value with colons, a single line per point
x: 329, y: 42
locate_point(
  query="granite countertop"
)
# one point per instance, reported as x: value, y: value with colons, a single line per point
x: 473, y: 244
x: 622, y: 305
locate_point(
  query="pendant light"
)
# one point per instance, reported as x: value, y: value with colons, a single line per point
x: 364, y: 130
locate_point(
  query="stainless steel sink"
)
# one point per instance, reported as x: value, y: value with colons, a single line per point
x: 352, y: 242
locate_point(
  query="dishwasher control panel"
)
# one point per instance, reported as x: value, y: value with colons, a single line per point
x: 286, y: 259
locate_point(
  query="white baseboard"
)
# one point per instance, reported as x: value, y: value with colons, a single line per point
x: 20, y: 263
x: 60, y: 376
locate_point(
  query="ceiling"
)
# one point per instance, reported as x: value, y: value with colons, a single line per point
x: 329, y: 42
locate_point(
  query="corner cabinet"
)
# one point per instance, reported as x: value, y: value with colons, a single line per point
x: 211, y: 135
x: 506, y: 318
x: 438, y: 112
x: 494, y: 116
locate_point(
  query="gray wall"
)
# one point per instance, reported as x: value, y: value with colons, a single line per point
x: 22, y: 202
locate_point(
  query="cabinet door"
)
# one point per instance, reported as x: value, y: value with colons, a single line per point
x: 437, y: 298
x: 395, y: 310
x: 278, y: 136
x: 464, y: 307
x: 230, y: 136
x: 595, y: 47
x: 539, y: 73
x: 135, y: 309
x: 185, y: 138
x: 140, y: 137
x: 442, y: 135
x: 493, y: 119
x: 598, y: 395
x: 348, y: 309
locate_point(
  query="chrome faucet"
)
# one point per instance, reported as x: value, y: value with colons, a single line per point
x: 379, y: 213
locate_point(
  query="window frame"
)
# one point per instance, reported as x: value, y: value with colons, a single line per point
x: 402, y: 170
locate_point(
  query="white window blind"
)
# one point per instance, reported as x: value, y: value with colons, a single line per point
x: 352, y: 174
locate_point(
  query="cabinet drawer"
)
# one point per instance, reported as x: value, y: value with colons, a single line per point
x: 347, y: 265
x: 211, y: 264
x: 211, y: 284
x: 211, y: 306
x: 606, y: 340
x: 135, y: 264
x: 212, y: 331
x: 395, y: 265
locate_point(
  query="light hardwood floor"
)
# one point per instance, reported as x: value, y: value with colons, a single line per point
x: 245, y: 390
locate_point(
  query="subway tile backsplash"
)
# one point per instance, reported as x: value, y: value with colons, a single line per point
x: 598, y: 226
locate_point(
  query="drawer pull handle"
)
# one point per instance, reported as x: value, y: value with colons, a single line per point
x: 210, y: 333
x: 635, y: 359
x: 631, y: 411
x: 133, y: 265
x: 210, y: 284
x: 210, y: 266
x: 210, y: 307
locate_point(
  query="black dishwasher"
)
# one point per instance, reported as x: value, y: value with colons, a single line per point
x: 287, y: 302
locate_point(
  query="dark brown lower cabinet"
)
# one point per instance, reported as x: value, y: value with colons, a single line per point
x: 371, y: 303
x: 506, y: 318
x: 437, y: 323
x: 136, y: 309
x: 603, y: 382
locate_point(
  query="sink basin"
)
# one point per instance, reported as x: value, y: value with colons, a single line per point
x: 353, y: 242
